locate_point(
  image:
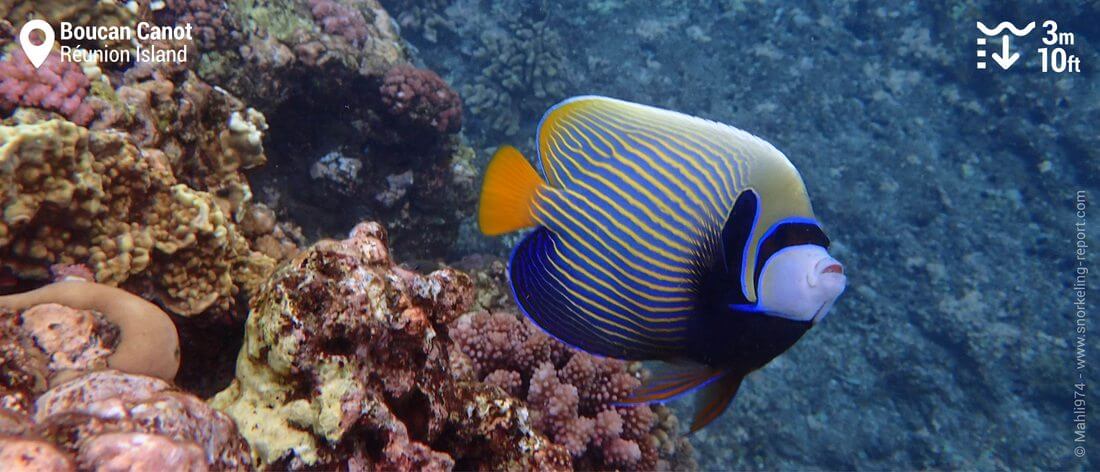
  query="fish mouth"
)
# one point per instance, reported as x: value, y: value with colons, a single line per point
x: 827, y: 270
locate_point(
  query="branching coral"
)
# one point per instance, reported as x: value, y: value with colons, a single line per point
x: 57, y: 85
x: 147, y: 341
x: 526, y: 61
x: 571, y: 394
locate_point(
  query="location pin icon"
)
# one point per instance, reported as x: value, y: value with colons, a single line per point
x: 36, y: 53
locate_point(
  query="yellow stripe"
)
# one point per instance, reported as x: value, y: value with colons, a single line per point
x: 594, y: 128
x: 717, y: 148
x: 582, y: 269
x: 594, y: 237
x: 628, y: 214
x: 626, y: 137
x: 623, y: 315
x: 661, y: 340
x: 644, y: 255
x: 618, y: 225
x: 725, y: 187
x: 629, y: 182
x: 632, y: 277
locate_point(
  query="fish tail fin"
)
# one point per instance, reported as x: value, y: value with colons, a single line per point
x: 714, y: 400
x: 508, y: 193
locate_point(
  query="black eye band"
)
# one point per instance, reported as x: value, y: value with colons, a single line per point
x: 787, y: 233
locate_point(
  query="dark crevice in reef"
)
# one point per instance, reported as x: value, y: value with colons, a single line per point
x: 400, y: 177
x: 208, y: 354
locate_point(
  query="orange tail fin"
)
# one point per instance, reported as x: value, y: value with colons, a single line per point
x: 507, y: 194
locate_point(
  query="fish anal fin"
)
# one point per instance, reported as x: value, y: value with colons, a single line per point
x: 507, y: 193
x: 714, y: 400
x: 671, y: 381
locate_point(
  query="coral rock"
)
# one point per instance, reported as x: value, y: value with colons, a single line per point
x: 77, y: 196
x: 29, y: 455
x: 345, y: 363
x: 420, y: 98
x: 137, y: 451
x: 109, y: 420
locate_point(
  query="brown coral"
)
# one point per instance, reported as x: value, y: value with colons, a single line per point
x: 77, y: 196
x: 346, y: 362
x: 146, y: 343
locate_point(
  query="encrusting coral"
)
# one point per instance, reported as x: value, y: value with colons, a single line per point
x: 346, y: 364
x: 146, y: 342
x: 64, y: 406
x: 109, y: 420
x: 72, y: 195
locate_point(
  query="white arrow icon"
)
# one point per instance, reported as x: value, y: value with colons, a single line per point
x: 1004, y: 59
x: 37, y: 53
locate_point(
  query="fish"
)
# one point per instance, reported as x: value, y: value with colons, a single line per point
x: 659, y: 236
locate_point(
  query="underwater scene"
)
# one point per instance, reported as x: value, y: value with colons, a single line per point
x: 631, y: 235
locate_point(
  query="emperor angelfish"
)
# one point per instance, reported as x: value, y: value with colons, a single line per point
x: 662, y: 236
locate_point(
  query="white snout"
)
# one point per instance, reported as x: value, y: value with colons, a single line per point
x: 801, y: 283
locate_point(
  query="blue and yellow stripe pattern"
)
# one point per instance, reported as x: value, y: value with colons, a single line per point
x: 630, y: 219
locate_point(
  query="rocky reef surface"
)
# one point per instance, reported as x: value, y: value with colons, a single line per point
x: 948, y: 192
x: 169, y: 294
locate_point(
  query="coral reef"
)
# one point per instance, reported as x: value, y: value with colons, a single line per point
x: 346, y: 361
x: 140, y: 339
x: 109, y: 420
x: 56, y: 86
x: 945, y: 189
x: 571, y: 395
x: 420, y: 98
x: 61, y: 406
x: 334, y: 76
x: 511, y: 63
x: 525, y: 61
x: 341, y: 20
x: 72, y: 195
x: 212, y: 23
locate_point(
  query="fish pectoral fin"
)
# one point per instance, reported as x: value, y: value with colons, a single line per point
x: 507, y: 193
x: 672, y: 380
x: 714, y: 400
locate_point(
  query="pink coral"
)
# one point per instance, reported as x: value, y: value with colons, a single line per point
x: 419, y: 97
x: 571, y: 394
x: 210, y: 19
x: 56, y: 86
x: 340, y: 20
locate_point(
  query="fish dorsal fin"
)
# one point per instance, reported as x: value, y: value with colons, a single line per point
x: 714, y: 400
x: 670, y: 380
x: 582, y: 130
